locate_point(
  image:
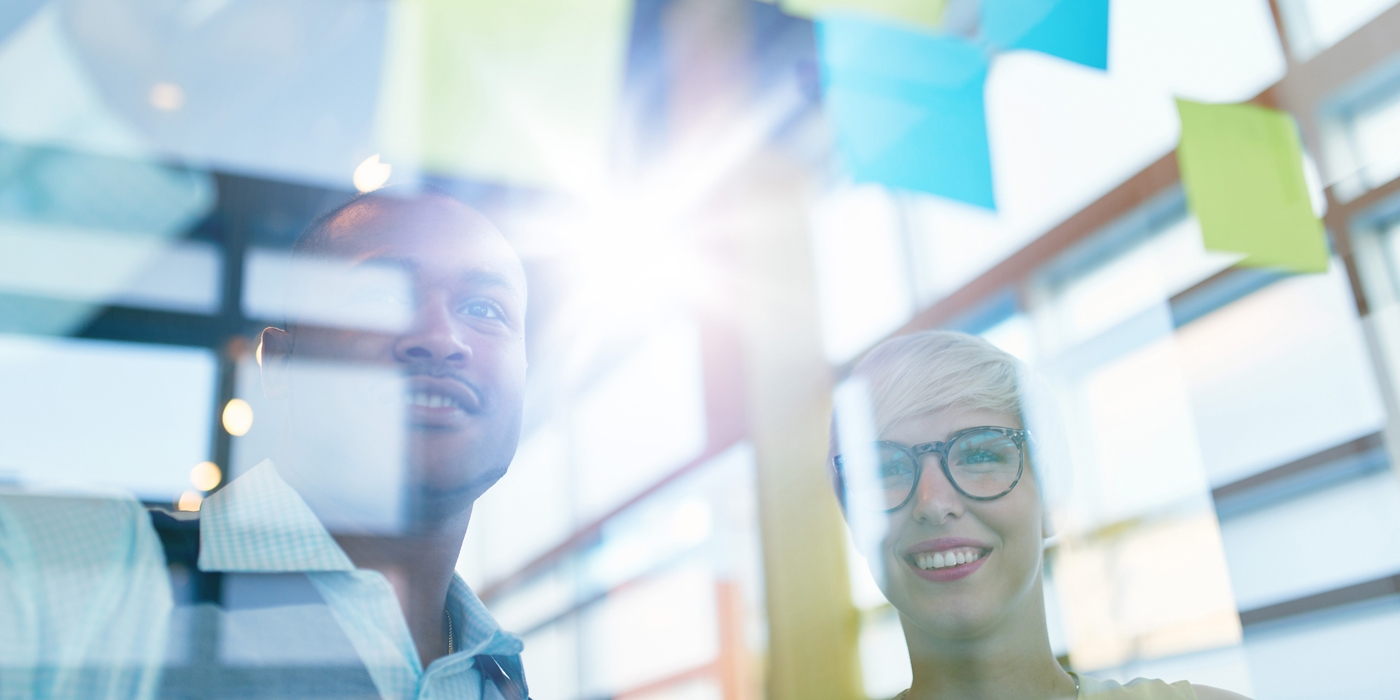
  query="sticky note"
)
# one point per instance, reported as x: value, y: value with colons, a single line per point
x: 1242, y: 167
x: 927, y: 13
x: 907, y: 107
x: 522, y: 92
x: 1075, y: 30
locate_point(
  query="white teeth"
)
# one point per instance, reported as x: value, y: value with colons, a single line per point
x: 427, y: 400
x: 941, y: 560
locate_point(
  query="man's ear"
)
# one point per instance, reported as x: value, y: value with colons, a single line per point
x: 274, y: 355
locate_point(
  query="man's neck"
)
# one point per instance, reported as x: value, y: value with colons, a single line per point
x: 420, y: 568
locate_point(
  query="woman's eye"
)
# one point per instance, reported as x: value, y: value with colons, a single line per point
x: 980, y: 457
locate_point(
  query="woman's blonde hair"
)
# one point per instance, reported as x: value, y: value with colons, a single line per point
x: 935, y: 370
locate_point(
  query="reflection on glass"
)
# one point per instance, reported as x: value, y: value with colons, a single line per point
x: 87, y: 597
x: 141, y: 411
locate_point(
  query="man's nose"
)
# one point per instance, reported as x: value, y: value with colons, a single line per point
x: 434, y: 337
x: 936, y: 500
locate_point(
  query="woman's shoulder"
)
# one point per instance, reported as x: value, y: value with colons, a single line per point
x: 1151, y: 689
x: 1205, y: 692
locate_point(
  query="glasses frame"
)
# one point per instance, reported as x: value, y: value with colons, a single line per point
x: 917, y: 452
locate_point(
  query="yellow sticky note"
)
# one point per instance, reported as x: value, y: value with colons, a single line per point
x: 925, y: 12
x: 1242, y: 167
x: 521, y: 92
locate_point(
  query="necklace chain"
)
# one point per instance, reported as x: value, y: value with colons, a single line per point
x: 452, y: 635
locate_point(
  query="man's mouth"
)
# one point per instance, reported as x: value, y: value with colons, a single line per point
x: 435, y: 399
x: 428, y: 399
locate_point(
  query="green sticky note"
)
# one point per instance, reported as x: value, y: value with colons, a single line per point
x: 928, y: 13
x: 521, y: 93
x: 1242, y: 167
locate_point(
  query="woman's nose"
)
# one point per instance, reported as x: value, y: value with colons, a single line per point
x: 936, y: 500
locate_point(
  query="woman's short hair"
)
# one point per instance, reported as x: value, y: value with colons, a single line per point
x: 935, y: 370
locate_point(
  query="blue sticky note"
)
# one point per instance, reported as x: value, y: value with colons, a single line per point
x: 1075, y: 30
x: 907, y: 107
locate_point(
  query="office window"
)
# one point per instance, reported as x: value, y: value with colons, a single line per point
x: 1315, y: 25
x: 862, y: 276
x: 665, y: 594
x: 642, y: 419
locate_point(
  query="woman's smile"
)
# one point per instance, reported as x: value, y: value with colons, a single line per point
x: 947, y: 558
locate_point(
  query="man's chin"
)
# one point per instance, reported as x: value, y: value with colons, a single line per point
x: 454, y: 481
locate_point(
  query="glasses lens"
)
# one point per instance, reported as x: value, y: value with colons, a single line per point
x: 897, y: 473
x: 985, y: 463
x: 878, y: 478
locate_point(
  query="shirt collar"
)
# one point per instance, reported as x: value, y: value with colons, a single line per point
x: 258, y: 523
x: 480, y: 634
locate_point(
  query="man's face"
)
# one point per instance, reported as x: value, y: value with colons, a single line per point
x: 462, y: 352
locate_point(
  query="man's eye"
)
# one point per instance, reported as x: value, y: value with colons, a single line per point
x: 481, y: 308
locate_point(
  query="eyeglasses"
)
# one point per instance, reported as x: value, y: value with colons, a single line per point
x: 982, y: 463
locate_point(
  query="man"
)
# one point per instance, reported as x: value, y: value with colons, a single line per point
x: 312, y: 559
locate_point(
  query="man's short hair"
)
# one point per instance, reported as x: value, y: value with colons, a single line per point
x: 316, y: 234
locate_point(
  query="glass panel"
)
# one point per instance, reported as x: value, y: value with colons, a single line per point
x: 642, y: 634
x: 884, y: 658
x: 514, y: 534
x: 1315, y: 25
x: 143, y: 412
x: 862, y: 281
x: 1345, y: 650
x: 1205, y: 50
x: 641, y: 420
x: 686, y: 561
x: 1376, y: 138
x: 1129, y: 490
x: 1353, y: 523
x: 109, y: 268
x: 1279, y: 375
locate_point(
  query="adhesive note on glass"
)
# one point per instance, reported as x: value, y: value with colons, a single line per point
x: 907, y: 107
x: 928, y: 13
x: 1075, y: 30
x: 519, y: 92
x: 1242, y: 167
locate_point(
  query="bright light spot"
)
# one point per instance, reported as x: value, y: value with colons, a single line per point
x: 238, y: 417
x: 167, y: 97
x: 257, y: 354
x: 690, y: 524
x: 206, y: 475
x: 190, y: 500
x: 371, y: 174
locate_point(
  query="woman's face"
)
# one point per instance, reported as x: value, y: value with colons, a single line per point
x: 966, y: 600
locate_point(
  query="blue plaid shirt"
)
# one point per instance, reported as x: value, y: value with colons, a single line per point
x: 259, y: 524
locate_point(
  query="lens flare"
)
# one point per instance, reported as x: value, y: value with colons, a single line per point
x: 206, y: 475
x: 238, y: 417
x: 190, y: 501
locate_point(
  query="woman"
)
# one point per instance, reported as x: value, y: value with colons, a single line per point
x: 962, y: 551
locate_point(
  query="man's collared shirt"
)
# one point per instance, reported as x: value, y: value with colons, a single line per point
x: 259, y: 525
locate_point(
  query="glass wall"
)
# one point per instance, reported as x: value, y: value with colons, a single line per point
x: 416, y: 348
